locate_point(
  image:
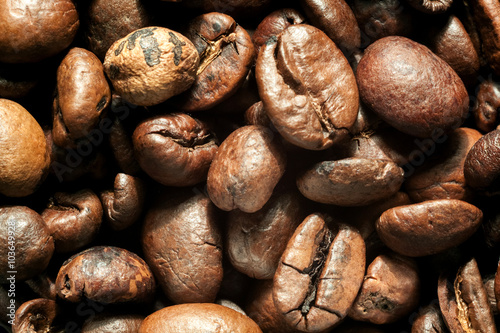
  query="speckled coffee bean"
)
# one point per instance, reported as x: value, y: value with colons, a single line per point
x: 198, y: 318
x: 429, y: 227
x: 82, y: 96
x: 35, y: 30
x: 25, y: 156
x: 105, y: 274
x: 411, y: 88
x: 73, y: 219
x: 245, y: 170
x: 150, y: 65
x: 26, y: 243
x: 481, y: 167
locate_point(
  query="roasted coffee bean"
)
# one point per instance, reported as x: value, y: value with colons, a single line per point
x: 442, y: 175
x: 463, y: 301
x: 487, y: 105
x: 33, y: 31
x: 164, y: 64
x: 17, y: 80
x: 182, y: 244
x: 105, y: 274
x: 44, y: 285
x: 226, y: 55
x: 489, y: 286
x: 431, y: 6
x: 336, y: 19
x: 73, y: 219
x: 429, y: 320
x: 351, y: 181
x: 298, y: 74
x: 174, y: 149
x: 36, y: 315
x: 411, y: 88
x: 390, y: 290
x: 245, y: 170
x: 319, y: 274
x: 198, y: 318
x: 256, y: 115
x: 255, y: 241
x: 481, y: 168
x: 123, y: 205
x: 82, y: 97
x: 113, y: 323
x: 27, y: 245
x: 428, y: 227
x: 273, y: 24
x: 25, y: 156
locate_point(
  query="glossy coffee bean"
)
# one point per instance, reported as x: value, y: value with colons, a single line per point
x: 174, y: 149
x: 429, y: 320
x: 33, y: 31
x: 162, y: 65
x: 481, y: 169
x: 486, y: 106
x: 307, y: 87
x: 82, y: 96
x: 198, y: 318
x: 319, y: 274
x: 37, y: 315
x: 428, y: 227
x: 27, y: 245
x: 182, y: 244
x: 105, y: 274
x: 245, y: 170
x: 24, y: 151
x: 110, y: 323
x: 411, y: 88
x: 73, y: 219
x: 431, y: 7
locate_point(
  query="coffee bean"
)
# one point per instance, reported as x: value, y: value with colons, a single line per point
x: 481, y: 169
x: 37, y: 315
x: 486, y: 106
x: 108, y: 323
x: 431, y: 7
x: 429, y: 320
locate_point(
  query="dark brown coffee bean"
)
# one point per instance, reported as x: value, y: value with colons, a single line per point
x: 25, y: 156
x: 336, y: 19
x: 113, y: 323
x: 26, y: 243
x: 108, y: 21
x: 17, y: 80
x: 198, y: 318
x: 245, y: 170
x: 489, y: 286
x: 174, y: 149
x: 226, y: 55
x: 442, y: 175
x: 429, y: 227
x: 481, y: 167
x: 411, y: 88
x: 390, y: 290
x: 73, y: 219
x: 162, y: 65
x: 351, y: 181
x: 431, y: 6
x: 44, y: 285
x: 256, y: 241
x: 485, y: 14
x: 429, y: 320
x: 464, y: 302
x: 183, y: 245
x: 319, y: 275
x: 36, y: 315
x: 105, y: 274
x: 82, y: 97
x: 307, y: 87
x: 273, y: 24
x: 32, y: 31
x: 487, y: 105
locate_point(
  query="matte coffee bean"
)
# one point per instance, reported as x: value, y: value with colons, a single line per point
x: 37, y: 315
x: 182, y: 244
x: 429, y: 320
x: 163, y: 65
x: 23, y: 229
x: 73, y: 219
x: 429, y: 227
x: 351, y: 181
x: 25, y: 155
x: 198, y: 318
x: 487, y: 105
x: 319, y: 274
x: 105, y: 274
x: 52, y: 27
x: 174, y: 149
x: 411, y: 88
x: 245, y: 170
x: 82, y: 97
x: 111, y: 323
x: 481, y: 168
x: 307, y: 87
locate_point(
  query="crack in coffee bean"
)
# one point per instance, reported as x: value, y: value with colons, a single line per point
x: 214, y: 48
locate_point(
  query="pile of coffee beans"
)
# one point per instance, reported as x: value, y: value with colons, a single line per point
x: 249, y: 166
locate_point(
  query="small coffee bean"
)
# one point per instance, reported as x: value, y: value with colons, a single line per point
x: 486, y: 106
